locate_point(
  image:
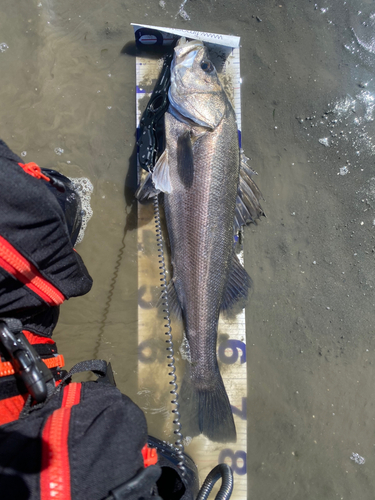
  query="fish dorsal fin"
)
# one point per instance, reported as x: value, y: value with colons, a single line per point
x: 238, y: 285
x: 248, y: 207
x: 160, y: 175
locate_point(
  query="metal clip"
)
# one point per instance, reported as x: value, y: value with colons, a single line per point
x: 150, y: 142
x: 26, y: 362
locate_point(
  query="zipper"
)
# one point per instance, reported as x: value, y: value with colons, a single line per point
x: 55, y: 478
x: 20, y: 268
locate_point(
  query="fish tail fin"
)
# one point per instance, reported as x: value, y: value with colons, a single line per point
x: 206, y: 411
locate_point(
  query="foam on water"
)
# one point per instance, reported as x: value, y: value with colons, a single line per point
x: 185, y: 349
x: 357, y: 458
x: 83, y: 187
x: 343, y: 170
x: 349, y: 121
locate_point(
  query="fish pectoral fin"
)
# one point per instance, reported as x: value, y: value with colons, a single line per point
x: 238, y: 285
x: 146, y: 189
x: 160, y: 175
x: 248, y: 207
x: 185, y: 160
x: 173, y: 301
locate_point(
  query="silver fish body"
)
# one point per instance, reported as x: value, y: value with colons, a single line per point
x: 199, y: 173
x: 199, y: 213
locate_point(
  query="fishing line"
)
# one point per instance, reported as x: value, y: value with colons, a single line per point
x: 170, y: 356
x: 130, y: 222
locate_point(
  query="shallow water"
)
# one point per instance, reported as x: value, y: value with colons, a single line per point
x: 68, y: 82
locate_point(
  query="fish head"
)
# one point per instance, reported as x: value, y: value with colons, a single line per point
x: 195, y: 91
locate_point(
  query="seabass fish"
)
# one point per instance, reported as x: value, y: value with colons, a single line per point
x: 208, y: 195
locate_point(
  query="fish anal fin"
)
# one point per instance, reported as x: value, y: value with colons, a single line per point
x: 238, y: 285
x: 174, y: 305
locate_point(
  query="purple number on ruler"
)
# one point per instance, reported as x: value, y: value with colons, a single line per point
x: 154, y: 291
x: 241, y: 413
x: 235, y: 456
x: 146, y: 351
x: 235, y: 345
x: 142, y: 303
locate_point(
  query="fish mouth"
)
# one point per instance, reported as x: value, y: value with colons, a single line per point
x: 183, y: 47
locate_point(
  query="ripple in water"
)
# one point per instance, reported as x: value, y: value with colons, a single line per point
x: 363, y: 43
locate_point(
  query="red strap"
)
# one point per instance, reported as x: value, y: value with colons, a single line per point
x: 10, y: 408
x: 6, y: 367
x: 34, y: 170
x: 55, y: 474
x: 37, y: 339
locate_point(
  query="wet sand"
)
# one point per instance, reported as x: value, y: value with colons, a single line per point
x: 310, y: 314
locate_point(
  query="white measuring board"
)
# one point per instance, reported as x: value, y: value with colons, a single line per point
x: 153, y: 379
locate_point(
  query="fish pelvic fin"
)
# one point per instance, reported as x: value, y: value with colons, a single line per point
x: 238, y: 286
x: 157, y: 181
x: 248, y: 208
x: 146, y: 190
x: 206, y: 411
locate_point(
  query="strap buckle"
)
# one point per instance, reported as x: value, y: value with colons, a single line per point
x: 27, y: 364
x: 151, y: 128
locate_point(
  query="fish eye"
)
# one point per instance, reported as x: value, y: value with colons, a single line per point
x: 207, y: 66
